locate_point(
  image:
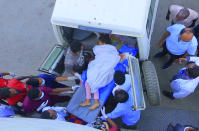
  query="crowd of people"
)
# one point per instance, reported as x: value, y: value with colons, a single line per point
x: 38, y: 94
x: 180, y: 42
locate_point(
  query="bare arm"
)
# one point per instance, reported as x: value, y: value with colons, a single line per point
x: 163, y: 38
x: 61, y: 78
x: 65, y: 78
x: 56, y: 91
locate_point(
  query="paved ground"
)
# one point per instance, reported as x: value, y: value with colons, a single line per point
x: 26, y: 35
x: 26, y: 38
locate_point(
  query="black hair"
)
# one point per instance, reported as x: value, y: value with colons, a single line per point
x: 184, y: 30
x: 45, y: 115
x: 121, y: 96
x: 105, y: 38
x: 193, y: 72
x: 33, y: 81
x: 33, y: 93
x: 77, y: 81
x: 119, y: 77
x: 185, y: 12
x: 75, y: 46
x: 5, y: 93
x: 190, y: 62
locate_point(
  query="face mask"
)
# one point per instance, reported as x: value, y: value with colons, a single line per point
x: 116, y: 88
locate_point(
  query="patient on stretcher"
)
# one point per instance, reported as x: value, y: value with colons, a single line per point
x: 101, y: 70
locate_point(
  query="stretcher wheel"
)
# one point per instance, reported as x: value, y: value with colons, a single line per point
x: 151, y: 84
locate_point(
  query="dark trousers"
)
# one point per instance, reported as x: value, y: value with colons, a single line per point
x: 196, y: 34
x: 172, y: 56
x: 179, y: 127
x: 196, y: 31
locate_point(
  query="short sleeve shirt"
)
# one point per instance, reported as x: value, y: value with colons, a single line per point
x: 177, y: 47
x: 3, y: 82
x: 30, y: 106
x: 50, y: 80
x: 70, y: 60
x: 174, y: 9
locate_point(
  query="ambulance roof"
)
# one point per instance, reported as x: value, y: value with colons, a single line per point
x: 124, y: 17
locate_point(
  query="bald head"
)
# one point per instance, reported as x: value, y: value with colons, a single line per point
x: 182, y: 14
x: 186, y: 34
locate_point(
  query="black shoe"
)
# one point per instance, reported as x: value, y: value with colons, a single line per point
x: 168, y: 94
x: 167, y: 65
x: 159, y: 54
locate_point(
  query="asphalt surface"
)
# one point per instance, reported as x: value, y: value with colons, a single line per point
x: 26, y: 34
x: 26, y: 37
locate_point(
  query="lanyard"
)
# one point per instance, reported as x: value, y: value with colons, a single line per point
x: 183, y: 72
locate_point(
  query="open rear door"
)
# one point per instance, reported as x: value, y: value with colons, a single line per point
x: 134, y: 70
x: 54, y: 62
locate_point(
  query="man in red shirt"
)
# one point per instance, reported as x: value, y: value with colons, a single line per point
x: 15, y: 91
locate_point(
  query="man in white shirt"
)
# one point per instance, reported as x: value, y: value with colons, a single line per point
x: 182, y: 15
x: 56, y: 113
x: 180, y: 42
x: 186, y: 80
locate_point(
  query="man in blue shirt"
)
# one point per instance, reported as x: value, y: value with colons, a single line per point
x: 50, y: 81
x: 180, y: 42
x: 123, y: 94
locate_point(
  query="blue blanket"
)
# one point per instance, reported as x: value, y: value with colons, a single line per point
x: 80, y: 95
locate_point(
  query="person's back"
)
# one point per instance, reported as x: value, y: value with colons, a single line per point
x: 182, y: 15
x: 73, y: 56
